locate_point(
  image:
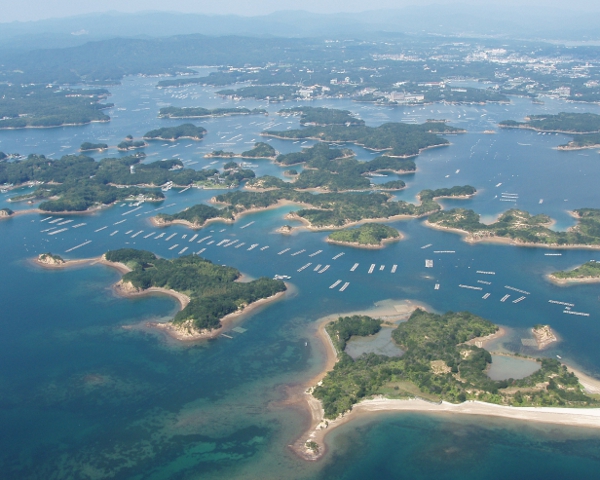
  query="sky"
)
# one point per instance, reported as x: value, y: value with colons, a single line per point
x: 27, y: 10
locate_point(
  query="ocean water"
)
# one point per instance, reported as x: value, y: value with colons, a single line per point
x: 87, y: 392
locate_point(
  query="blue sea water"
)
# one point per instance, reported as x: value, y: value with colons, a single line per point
x: 87, y: 392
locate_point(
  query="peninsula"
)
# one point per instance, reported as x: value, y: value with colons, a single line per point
x: 521, y: 228
x: 589, y: 272
x: 199, y: 112
x: 572, y: 123
x: 438, y: 369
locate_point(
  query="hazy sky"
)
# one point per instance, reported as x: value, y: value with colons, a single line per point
x: 24, y: 10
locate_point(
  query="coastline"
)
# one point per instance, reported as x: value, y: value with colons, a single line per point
x: 470, y: 238
x: 565, y: 282
x: 527, y: 127
x: 380, y: 246
x: 320, y: 427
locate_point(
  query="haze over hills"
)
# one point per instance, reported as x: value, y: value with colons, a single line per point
x: 461, y: 19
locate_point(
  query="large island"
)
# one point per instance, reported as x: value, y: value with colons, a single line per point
x: 437, y: 368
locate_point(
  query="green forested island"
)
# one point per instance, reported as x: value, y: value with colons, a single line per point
x: 195, y: 216
x: 367, y: 235
x: 199, y: 112
x: 464, y: 95
x: 322, y: 116
x: 588, y: 271
x: 78, y: 182
x: 523, y: 227
x: 187, y: 130
x: 575, y: 123
x: 181, y: 82
x: 436, y: 364
x: 130, y: 144
x: 270, y: 92
x: 212, y: 289
x: 6, y: 212
x: 580, y: 142
x: 396, y: 139
x: 260, y: 150
x: 89, y: 147
x: 36, y: 106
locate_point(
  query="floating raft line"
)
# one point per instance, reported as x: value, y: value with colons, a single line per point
x: 486, y: 296
x: 173, y: 246
x: 183, y: 250
x: 200, y: 251
x: 324, y: 269
x: 394, y: 267
x: 246, y: 226
x: 520, y: 299
x: 240, y: 245
x: 382, y: 268
x: 78, y: 246
x: 56, y: 220
x: 194, y: 237
x: 580, y: 314
x: 58, y: 231
x: 504, y: 298
x: 264, y: 248
x: 283, y: 251
x: 298, y: 252
x: 372, y: 268
x: 120, y: 221
x: 436, y: 286
x: 100, y: 229
x: 485, y: 273
x: 315, y: 253
x: 304, y: 267
x: 114, y: 233
x: 335, y: 284
x: 345, y: 286
x: 205, y: 238
x: 484, y: 282
x: 470, y: 287
x: 65, y: 222
x: 170, y: 237
x: 426, y: 246
x: 253, y: 246
x: 160, y: 235
x: 131, y: 211
x: 354, y: 267
x: 444, y: 251
x: 44, y: 219
x: 317, y: 267
x: 226, y: 336
x: 337, y: 256
x: 136, y: 234
x: 149, y: 235
x: 128, y: 232
x: 553, y: 254
x: 516, y: 290
x: 556, y: 302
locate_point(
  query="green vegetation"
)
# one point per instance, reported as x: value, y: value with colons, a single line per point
x: 398, y: 139
x: 335, y: 210
x: 130, y: 144
x: 35, y: 106
x: 464, y: 95
x: 341, y: 330
x: 78, y: 182
x: 589, y: 269
x: 55, y: 258
x: 212, y: 289
x: 315, y: 156
x: 196, y: 215
x: 372, y: 234
x: 260, y: 150
x: 591, y: 140
x: 6, y: 212
x: 230, y: 166
x: 438, y: 365
x: 271, y: 92
x: 523, y: 227
x: 562, y: 122
x: 199, y: 112
x: 88, y: 146
x: 220, y: 154
x: 187, y: 130
x: 323, y: 116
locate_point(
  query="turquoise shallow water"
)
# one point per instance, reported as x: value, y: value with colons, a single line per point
x: 83, y: 397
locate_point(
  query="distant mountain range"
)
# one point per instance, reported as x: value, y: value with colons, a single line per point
x: 460, y: 19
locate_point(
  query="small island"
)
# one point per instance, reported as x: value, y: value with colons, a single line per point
x: 212, y: 294
x: 438, y: 368
x: 369, y: 235
x: 130, y: 144
x: 322, y: 117
x: 544, y: 336
x: 589, y: 272
x: 581, y: 142
x: 573, y: 123
x: 260, y: 150
x: 193, y: 217
x: 90, y: 147
x: 171, y: 134
x: 521, y: 228
x: 6, y: 213
x: 199, y: 112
